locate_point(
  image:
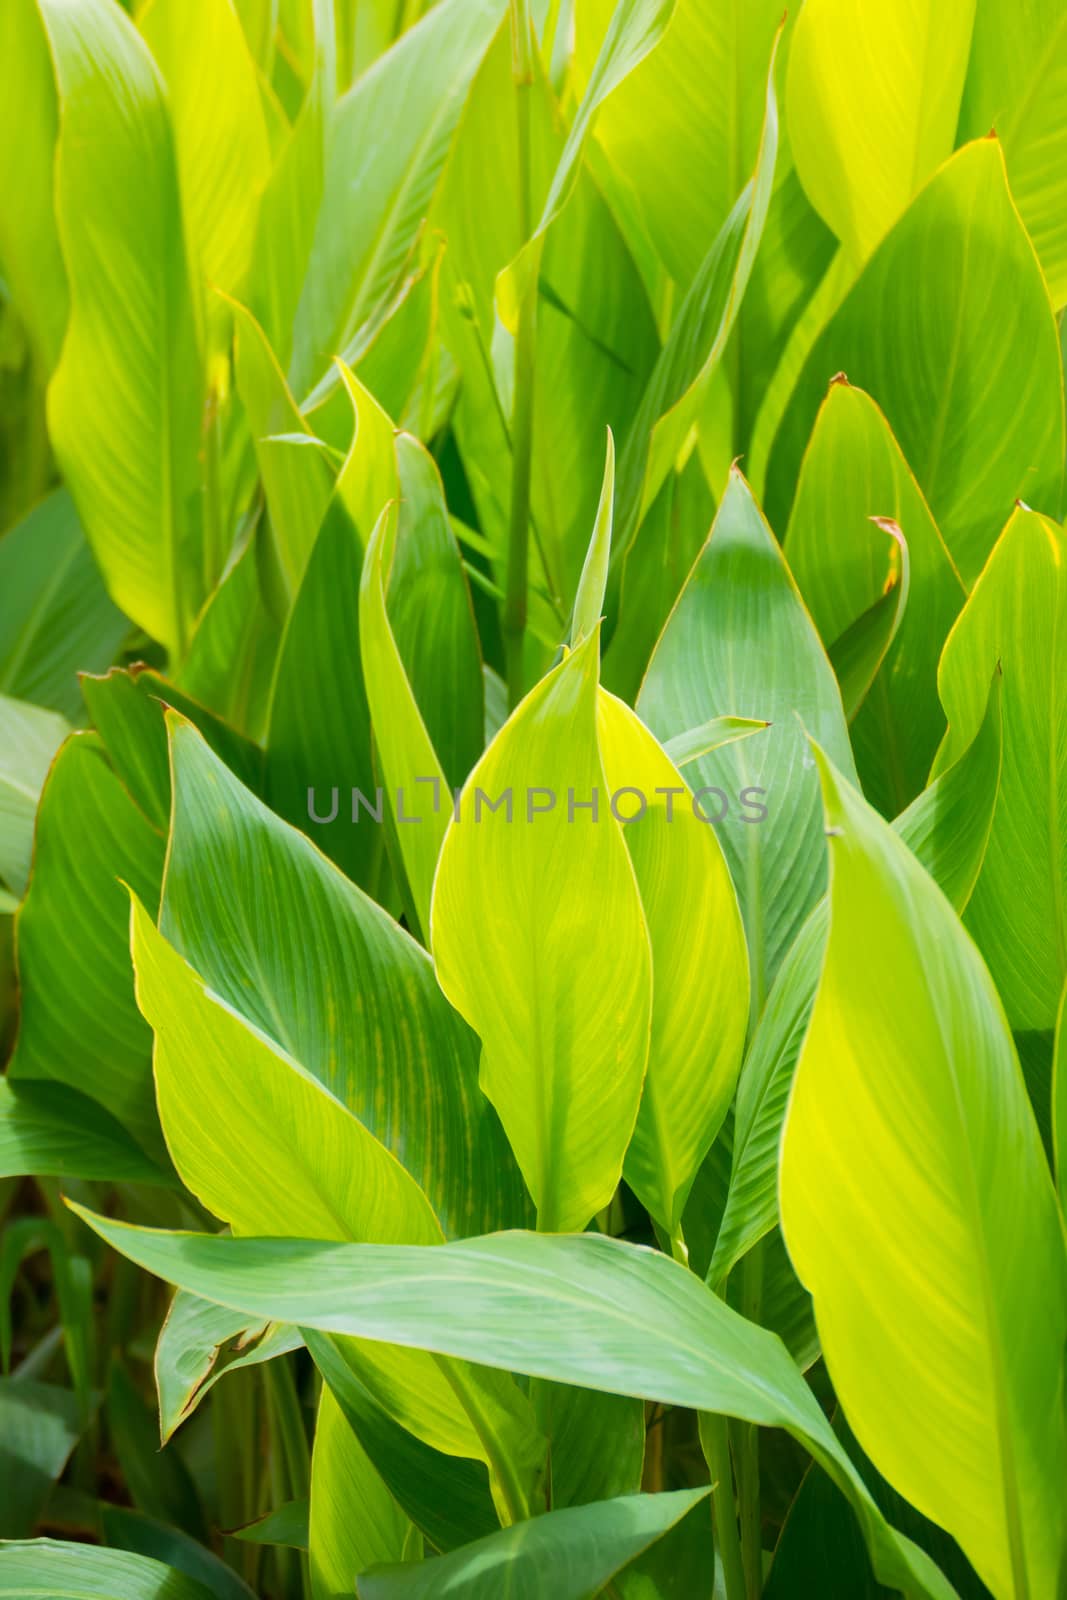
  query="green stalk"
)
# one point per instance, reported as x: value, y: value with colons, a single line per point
x: 715, y: 1442
x: 746, y: 1443
x: 292, y: 1459
x: 514, y: 619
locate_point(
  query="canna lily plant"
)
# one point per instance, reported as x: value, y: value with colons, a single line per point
x: 533, y: 849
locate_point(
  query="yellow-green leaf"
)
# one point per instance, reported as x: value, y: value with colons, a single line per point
x: 919, y: 1211
x: 540, y: 942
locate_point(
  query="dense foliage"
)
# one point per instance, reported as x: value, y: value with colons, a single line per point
x: 533, y: 799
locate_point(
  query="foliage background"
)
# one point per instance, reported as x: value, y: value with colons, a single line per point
x: 556, y: 393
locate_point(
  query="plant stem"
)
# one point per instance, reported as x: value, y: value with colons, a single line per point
x: 715, y: 1441
x: 746, y: 1443
x: 514, y: 620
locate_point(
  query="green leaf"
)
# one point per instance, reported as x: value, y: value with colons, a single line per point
x: 405, y: 751
x: 853, y: 470
x: 57, y: 619
x: 219, y: 131
x: 1018, y: 912
x: 29, y: 740
x: 699, y: 965
x: 872, y: 104
x: 198, y: 1344
x: 79, y: 1023
x: 571, y: 1553
x: 913, y: 332
x: 80, y: 1572
x: 128, y: 710
x: 584, y: 1309
x: 635, y: 29
x: 376, y: 191
x: 687, y: 747
x: 325, y: 974
x: 592, y: 585
x: 558, y: 982
x: 955, y: 1194
x: 52, y: 1131
x: 696, y: 341
x: 227, y: 1096
x: 1059, y: 1097
x: 29, y: 117
x: 947, y: 827
x: 355, y: 1523
x: 857, y: 654
x: 124, y: 404
x: 431, y: 614
x: 1016, y: 83
x: 145, y: 1536
x: 445, y: 1495
x: 287, y: 1526
x: 158, y: 1481
x: 660, y: 126
x: 739, y: 641
x: 39, y: 1427
x: 297, y: 479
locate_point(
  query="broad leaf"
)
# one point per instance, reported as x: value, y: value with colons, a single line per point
x: 57, y: 619
x: 853, y: 470
x: 376, y: 192
x: 947, y: 828
x: 124, y: 405
x: 558, y: 982
x: 1017, y: 83
x: 696, y: 342
x: 699, y: 964
x: 355, y: 1522
x: 955, y: 1193
x: 872, y: 103
x: 583, y: 1309
x: 29, y: 740
x: 740, y: 641
x: 572, y: 1552
x: 79, y: 1023
x: 80, y: 1572
x: 322, y: 971
x: 1018, y: 912
x: 52, y: 1131
x: 913, y: 332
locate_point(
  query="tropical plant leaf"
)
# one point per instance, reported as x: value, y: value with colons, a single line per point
x: 356, y: 1004
x: 853, y: 470
x: 78, y: 1023
x: 906, y: 1015
x: 57, y: 620
x: 947, y: 828
x: 740, y: 641
x: 936, y: 365
x: 80, y: 1572
x: 872, y: 106
x: 29, y: 740
x: 696, y: 342
x: 29, y: 244
x: 1018, y: 912
x: 39, y: 1427
x: 1016, y: 82
x: 576, y: 1551
x: 355, y: 1523
x: 124, y: 404
x: 551, y: 891
x: 377, y: 193
x: 699, y: 1012
x: 554, y: 1306
x: 198, y: 1344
